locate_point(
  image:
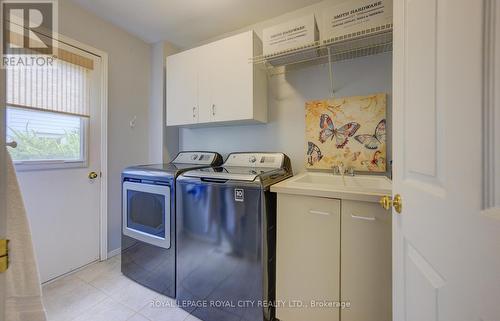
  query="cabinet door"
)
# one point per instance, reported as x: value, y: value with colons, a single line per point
x: 205, y: 61
x: 232, y: 78
x: 182, y: 88
x: 366, y: 262
x: 308, y: 257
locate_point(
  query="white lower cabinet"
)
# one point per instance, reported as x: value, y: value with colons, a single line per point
x: 366, y: 262
x: 332, y: 251
x: 307, y: 257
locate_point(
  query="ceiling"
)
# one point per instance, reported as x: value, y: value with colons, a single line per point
x: 187, y: 22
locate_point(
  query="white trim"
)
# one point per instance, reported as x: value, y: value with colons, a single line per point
x: 114, y: 252
x: 493, y: 212
x: 30, y: 166
x: 103, y: 220
x: 104, y: 158
x: 491, y: 171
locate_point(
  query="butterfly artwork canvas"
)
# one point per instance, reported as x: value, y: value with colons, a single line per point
x: 351, y: 130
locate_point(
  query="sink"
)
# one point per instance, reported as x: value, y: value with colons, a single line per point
x: 361, y: 181
x: 359, y: 187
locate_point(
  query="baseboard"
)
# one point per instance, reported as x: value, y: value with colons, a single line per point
x: 114, y: 252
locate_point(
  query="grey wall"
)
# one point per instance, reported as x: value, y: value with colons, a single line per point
x: 156, y: 111
x: 287, y: 96
x: 136, y: 86
x: 163, y: 141
x: 128, y: 97
x: 288, y: 93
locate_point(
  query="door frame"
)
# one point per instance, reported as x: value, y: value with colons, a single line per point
x: 103, y: 206
x: 491, y: 110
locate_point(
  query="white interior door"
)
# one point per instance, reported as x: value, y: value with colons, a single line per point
x: 446, y: 241
x: 3, y: 179
x: 62, y: 201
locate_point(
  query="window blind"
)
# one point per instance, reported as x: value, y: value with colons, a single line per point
x: 15, y: 38
x: 62, y: 88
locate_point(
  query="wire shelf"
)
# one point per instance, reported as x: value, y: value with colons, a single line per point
x: 364, y: 43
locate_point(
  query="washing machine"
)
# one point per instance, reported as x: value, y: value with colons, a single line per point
x: 226, y: 237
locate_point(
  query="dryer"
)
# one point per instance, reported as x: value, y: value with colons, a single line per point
x: 148, y: 252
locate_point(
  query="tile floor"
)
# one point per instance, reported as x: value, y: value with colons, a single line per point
x: 101, y: 293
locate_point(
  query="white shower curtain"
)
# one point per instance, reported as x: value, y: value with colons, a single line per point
x: 23, y: 297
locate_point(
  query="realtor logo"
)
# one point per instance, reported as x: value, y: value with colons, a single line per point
x: 28, y: 27
x: 239, y: 195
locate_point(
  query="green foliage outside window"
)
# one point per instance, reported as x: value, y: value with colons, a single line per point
x: 33, y: 146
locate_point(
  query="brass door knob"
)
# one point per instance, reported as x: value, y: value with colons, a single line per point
x: 397, y: 202
x: 93, y: 175
x: 386, y: 202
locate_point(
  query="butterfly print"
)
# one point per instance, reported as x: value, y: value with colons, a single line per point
x: 376, y: 162
x: 375, y: 140
x: 313, y: 153
x: 341, y: 134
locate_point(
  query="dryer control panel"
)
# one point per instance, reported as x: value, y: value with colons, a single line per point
x: 198, y: 158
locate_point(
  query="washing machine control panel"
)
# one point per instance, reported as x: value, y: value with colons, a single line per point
x: 267, y: 160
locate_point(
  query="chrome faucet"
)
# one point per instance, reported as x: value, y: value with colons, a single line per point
x: 340, y: 169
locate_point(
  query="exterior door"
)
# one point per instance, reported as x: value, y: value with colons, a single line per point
x: 446, y: 241
x: 61, y: 191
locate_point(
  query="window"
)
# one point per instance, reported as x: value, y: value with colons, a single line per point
x: 45, y: 136
x: 48, y: 110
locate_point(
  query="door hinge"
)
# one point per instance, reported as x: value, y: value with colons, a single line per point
x: 4, y: 255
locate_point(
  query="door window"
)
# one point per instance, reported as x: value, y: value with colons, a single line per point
x: 46, y: 136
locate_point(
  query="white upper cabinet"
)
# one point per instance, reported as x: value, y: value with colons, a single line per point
x: 182, y: 89
x: 217, y: 83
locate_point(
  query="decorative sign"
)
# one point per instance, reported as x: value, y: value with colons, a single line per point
x: 354, y: 18
x: 351, y: 130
